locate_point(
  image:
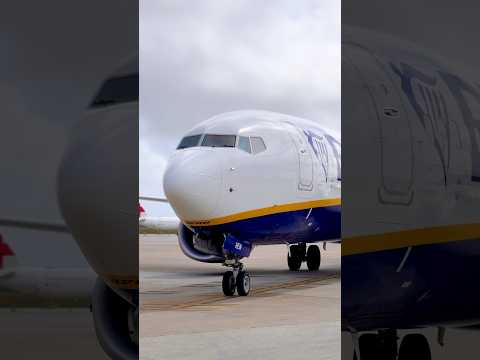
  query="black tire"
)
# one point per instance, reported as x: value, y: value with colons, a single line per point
x: 293, y: 261
x: 300, y: 251
x: 228, y: 283
x: 313, y: 258
x: 414, y: 347
x: 368, y: 344
x: 243, y: 283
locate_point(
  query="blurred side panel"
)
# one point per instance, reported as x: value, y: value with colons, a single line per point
x: 411, y: 179
x: 69, y: 179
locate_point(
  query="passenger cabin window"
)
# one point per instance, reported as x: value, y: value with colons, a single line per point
x: 219, y: 140
x: 117, y: 91
x: 244, y: 144
x: 257, y: 145
x: 189, y: 141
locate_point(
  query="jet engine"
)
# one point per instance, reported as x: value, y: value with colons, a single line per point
x: 199, y: 248
x: 116, y: 321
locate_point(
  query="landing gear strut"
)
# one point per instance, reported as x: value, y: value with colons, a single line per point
x: 299, y: 253
x: 236, y: 279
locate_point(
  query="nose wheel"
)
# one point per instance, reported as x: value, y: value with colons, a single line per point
x: 243, y: 283
x: 236, y: 280
x: 228, y: 283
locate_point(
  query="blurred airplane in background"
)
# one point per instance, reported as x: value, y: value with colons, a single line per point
x: 38, y: 286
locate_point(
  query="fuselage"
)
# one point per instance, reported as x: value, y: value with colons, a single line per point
x: 101, y: 146
x: 411, y: 219
x: 260, y: 177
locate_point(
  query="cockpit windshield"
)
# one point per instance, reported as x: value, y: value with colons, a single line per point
x: 249, y: 144
x: 117, y: 91
x: 219, y: 140
x: 189, y: 141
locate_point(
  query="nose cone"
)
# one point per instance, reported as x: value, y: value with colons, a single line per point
x: 192, y: 183
x: 97, y: 182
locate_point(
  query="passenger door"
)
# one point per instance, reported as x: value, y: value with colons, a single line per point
x: 305, y: 161
x: 394, y: 128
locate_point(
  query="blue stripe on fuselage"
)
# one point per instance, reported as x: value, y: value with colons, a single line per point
x: 436, y: 285
x: 306, y: 225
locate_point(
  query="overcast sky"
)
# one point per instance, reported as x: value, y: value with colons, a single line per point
x: 202, y: 58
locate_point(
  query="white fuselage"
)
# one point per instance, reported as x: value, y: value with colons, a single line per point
x: 299, y: 164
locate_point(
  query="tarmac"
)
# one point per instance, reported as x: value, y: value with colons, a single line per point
x: 55, y: 333
x: 288, y: 315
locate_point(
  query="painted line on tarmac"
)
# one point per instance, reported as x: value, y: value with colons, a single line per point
x: 215, y: 300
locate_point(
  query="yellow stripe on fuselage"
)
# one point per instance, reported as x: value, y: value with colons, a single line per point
x: 405, y: 238
x: 275, y: 209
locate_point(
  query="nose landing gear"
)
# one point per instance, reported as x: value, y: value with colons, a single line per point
x: 236, y: 279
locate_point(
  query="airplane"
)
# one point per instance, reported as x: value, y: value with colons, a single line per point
x: 248, y: 178
x: 411, y: 195
x: 156, y: 225
x: 41, y: 285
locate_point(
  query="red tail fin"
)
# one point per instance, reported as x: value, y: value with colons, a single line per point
x: 141, y: 210
x: 5, y: 250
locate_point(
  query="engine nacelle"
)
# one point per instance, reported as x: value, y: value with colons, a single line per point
x: 186, y: 240
x: 115, y: 320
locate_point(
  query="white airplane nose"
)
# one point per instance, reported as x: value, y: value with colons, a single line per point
x: 192, y: 183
